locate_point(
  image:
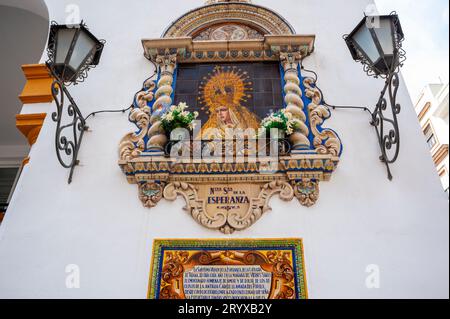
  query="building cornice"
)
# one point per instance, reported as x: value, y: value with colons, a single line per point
x: 191, y: 51
x: 30, y: 125
x: 37, y: 89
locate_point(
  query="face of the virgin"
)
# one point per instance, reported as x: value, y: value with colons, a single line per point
x: 223, y: 114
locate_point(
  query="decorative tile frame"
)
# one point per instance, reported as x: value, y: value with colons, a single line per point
x: 314, y: 157
x: 283, y: 258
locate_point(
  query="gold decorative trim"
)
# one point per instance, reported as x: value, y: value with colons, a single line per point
x: 37, y: 89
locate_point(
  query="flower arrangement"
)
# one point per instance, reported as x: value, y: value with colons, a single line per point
x: 281, y: 120
x: 178, y: 117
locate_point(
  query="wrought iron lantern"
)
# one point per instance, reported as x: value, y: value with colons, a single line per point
x: 377, y: 43
x: 72, y: 51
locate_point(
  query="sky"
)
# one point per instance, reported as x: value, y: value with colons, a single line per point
x: 426, y: 28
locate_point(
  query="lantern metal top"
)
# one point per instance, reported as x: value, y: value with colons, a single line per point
x: 64, y: 70
x: 385, y: 57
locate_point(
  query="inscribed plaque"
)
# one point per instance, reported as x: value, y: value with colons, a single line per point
x: 228, y: 269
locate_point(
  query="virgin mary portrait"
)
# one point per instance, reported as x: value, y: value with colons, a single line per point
x: 223, y: 95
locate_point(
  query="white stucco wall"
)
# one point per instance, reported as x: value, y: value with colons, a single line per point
x: 99, y: 224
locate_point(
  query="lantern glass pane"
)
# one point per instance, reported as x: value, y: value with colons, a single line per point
x: 85, y: 47
x: 385, y: 36
x: 64, y: 40
x: 364, y: 39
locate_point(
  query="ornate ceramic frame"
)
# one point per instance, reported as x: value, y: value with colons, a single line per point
x: 282, y: 258
x: 313, y: 159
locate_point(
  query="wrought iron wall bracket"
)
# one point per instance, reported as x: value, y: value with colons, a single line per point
x: 79, y: 56
x: 384, y: 119
x: 386, y: 127
x: 68, y: 136
x: 376, y: 42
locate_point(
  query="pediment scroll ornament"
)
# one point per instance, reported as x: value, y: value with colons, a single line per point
x: 326, y: 141
x: 228, y: 223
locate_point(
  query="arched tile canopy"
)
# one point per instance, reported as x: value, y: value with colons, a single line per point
x: 256, y: 17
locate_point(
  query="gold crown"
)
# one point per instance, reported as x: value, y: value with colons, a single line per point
x: 224, y: 87
x: 224, y: 95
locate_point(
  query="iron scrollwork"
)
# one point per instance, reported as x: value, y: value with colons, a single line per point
x: 387, y: 128
x: 68, y: 136
x: 385, y: 115
x: 71, y: 124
